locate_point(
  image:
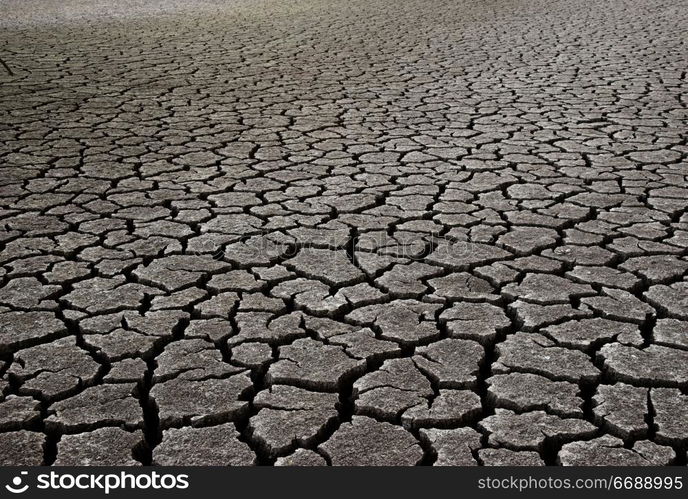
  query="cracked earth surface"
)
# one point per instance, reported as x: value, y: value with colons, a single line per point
x: 345, y: 233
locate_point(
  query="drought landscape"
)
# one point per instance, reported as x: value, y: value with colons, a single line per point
x: 362, y: 233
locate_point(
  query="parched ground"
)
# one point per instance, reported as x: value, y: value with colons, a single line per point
x: 324, y: 232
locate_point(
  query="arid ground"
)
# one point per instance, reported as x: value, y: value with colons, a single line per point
x: 365, y: 232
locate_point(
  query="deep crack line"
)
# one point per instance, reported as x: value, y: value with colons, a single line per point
x: 7, y: 68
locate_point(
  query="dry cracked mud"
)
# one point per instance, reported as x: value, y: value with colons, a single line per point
x: 344, y: 233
